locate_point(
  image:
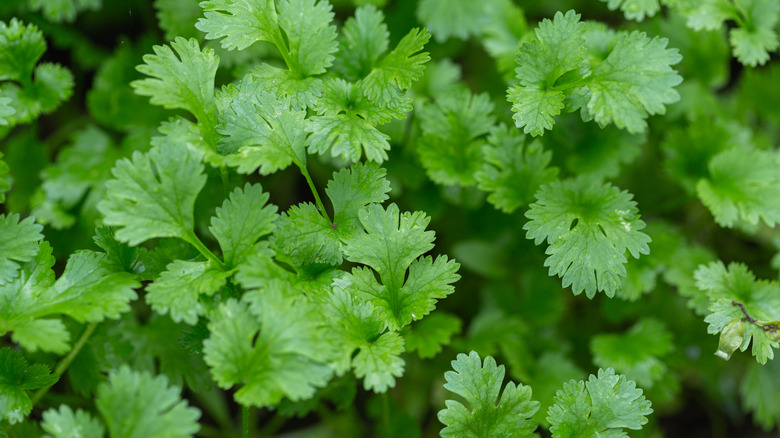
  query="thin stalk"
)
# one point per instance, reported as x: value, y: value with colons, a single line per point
x: 320, y: 206
x: 225, y: 181
x: 193, y: 240
x: 66, y: 361
x: 244, y: 421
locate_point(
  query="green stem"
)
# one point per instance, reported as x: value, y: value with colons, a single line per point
x: 193, y: 240
x: 244, y: 421
x: 65, y: 362
x: 279, y: 43
x: 225, y: 181
x: 320, y: 206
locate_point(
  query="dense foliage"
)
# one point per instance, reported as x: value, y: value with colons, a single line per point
x: 378, y: 218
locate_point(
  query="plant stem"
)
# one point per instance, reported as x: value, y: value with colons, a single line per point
x: 66, y: 361
x: 244, y: 421
x: 225, y: 181
x: 193, y: 240
x: 320, y: 206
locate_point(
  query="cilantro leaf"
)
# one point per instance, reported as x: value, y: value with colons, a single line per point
x: 758, y: 390
x: 602, y: 406
x: 753, y: 38
x: 18, y: 243
x: 558, y: 48
x: 355, y: 325
x: 138, y: 404
x: 16, y: 377
x: 453, y: 18
x: 62, y: 10
x: 182, y: 78
x: 65, y: 423
x: 453, y: 128
x: 398, y: 69
x: 272, y: 347
x: 635, y: 9
x: 178, y: 289
x: 30, y: 90
x: 391, y: 246
x: 346, y: 122
x: 634, y: 81
x: 260, y: 130
x: 364, y: 38
x: 562, y: 68
x: 742, y: 185
x: 153, y: 195
x: 480, y: 384
x: 635, y: 353
x: 353, y: 188
x: 513, y: 170
x: 588, y: 226
x: 307, y: 237
x: 429, y: 335
x: 378, y: 362
x: 243, y: 219
x: 311, y: 36
x: 738, y: 300
x: 300, y: 29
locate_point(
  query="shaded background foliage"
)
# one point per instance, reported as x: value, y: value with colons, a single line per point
x: 505, y: 304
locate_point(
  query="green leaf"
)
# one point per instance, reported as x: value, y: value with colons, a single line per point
x: 742, y: 185
x: 182, y: 78
x: 346, y: 121
x: 559, y: 47
x: 311, y: 36
x: 241, y: 23
x: 378, y: 362
x: 398, y: 69
x: 634, y: 81
x: 6, y: 110
x: 18, y: 243
x: 16, y: 377
x: 588, y: 226
x: 242, y: 220
x: 307, y: 237
x: 62, y: 10
x: 428, y: 336
x: 513, y: 169
x: 453, y: 129
x: 354, y: 187
x: 734, y: 289
x: 177, y: 290
x: 490, y: 416
x: 153, y: 195
x: 273, y: 348
x: 392, y: 246
x: 758, y: 391
x: 177, y: 18
x: 44, y: 334
x: 364, y: 38
x: 635, y: 9
x: 140, y: 405
x: 22, y: 46
x: 300, y: 29
x: 453, y: 18
x: 754, y: 42
x: 260, y: 130
x: 635, y: 353
x: 602, y: 406
x: 631, y: 80
x: 64, y: 423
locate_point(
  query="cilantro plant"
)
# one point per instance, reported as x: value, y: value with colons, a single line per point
x: 239, y: 218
